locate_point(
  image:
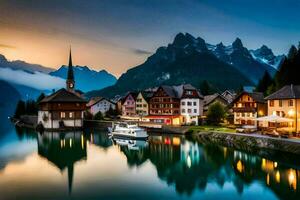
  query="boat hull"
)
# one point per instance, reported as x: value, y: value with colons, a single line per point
x: 122, y: 136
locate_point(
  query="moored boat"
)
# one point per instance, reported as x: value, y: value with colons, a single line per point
x: 126, y: 130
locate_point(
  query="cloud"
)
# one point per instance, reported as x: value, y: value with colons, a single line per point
x: 7, y: 46
x: 141, y: 52
x: 35, y: 80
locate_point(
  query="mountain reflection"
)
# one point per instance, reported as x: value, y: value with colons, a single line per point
x: 184, y: 163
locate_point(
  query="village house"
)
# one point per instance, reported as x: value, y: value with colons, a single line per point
x: 142, y: 103
x: 100, y: 104
x: 211, y: 99
x: 229, y: 95
x: 247, y: 106
x: 64, y: 108
x: 129, y: 105
x: 165, y: 106
x: 286, y: 103
x: 191, y: 103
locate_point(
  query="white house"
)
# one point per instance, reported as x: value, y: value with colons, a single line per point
x: 100, y: 104
x: 191, y: 103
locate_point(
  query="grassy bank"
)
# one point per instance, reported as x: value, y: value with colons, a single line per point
x: 208, y: 128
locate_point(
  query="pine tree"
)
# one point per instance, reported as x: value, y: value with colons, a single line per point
x: 292, y: 52
x: 41, y: 97
x: 265, y: 82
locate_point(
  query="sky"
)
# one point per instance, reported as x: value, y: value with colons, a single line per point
x: 116, y: 35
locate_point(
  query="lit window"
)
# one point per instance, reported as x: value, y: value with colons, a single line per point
x: 271, y: 103
x: 71, y: 115
x: 62, y: 115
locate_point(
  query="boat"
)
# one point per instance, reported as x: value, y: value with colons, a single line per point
x: 131, y: 144
x: 127, y: 130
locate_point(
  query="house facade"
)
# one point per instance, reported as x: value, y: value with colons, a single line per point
x: 129, y: 105
x: 165, y: 106
x: 247, y: 107
x: 64, y: 108
x: 100, y: 104
x: 286, y: 103
x: 142, y: 103
x: 191, y: 104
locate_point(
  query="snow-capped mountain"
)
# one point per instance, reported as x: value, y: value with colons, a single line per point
x: 87, y: 79
x: 266, y: 55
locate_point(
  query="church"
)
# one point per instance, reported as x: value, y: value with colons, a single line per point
x: 64, y: 109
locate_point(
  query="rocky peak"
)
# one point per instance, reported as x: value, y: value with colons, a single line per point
x: 237, y: 44
x: 182, y: 40
x: 2, y: 58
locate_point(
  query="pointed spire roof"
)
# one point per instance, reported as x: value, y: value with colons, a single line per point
x: 70, y: 67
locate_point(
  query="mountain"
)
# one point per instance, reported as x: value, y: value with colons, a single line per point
x: 265, y: 55
x: 242, y: 59
x: 186, y: 60
x: 21, y: 65
x: 86, y: 79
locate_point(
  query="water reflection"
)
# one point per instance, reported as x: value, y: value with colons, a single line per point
x: 193, y: 168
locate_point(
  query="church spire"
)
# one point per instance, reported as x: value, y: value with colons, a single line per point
x: 70, y: 78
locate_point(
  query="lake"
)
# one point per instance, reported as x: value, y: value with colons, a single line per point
x: 90, y: 165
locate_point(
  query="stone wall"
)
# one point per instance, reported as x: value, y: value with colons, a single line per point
x: 250, y: 142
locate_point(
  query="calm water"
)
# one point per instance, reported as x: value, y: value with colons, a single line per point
x: 89, y: 165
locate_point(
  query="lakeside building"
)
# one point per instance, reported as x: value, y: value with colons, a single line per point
x: 286, y: 103
x: 191, y: 103
x: 100, y: 104
x: 129, y: 105
x: 211, y: 99
x: 142, y: 103
x: 64, y: 108
x: 247, y: 106
x: 229, y: 95
x: 165, y: 106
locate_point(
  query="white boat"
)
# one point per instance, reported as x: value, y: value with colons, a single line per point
x: 131, y: 144
x: 126, y: 130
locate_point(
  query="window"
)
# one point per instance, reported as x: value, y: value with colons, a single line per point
x: 189, y: 110
x: 189, y: 103
x: 271, y: 103
x: 183, y: 103
x: 71, y: 115
x: 291, y: 102
x: 195, y: 103
x: 183, y: 110
x: 62, y: 115
x: 195, y: 110
x: 280, y: 103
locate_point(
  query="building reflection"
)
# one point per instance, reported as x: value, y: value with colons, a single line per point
x: 63, y: 150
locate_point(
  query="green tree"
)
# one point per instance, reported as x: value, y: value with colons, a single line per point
x: 216, y: 113
x: 265, y: 82
x: 31, y: 107
x: 20, y: 110
x: 98, y: 116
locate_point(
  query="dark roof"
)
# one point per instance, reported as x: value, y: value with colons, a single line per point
x: 256, y: 96
x: 147, y: 95
x: 210, y: 98
x: 180, y: 89
x: 287, y: 92
x: 133, y: 94
x: 170, y: 91
x: 63, y: 96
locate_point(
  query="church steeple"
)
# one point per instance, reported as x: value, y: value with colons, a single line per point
x: 70, y: 78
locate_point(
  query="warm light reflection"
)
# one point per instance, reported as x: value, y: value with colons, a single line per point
x: 292, y: 179
x: 268, y: 179
x: 189, y: 161
x: 275, y: 164
x: 176, y: 141
x: 291, y: 113
x: 82, y: 141
x: 61, y: 143
x: 277, y: 177
x: 267, y: 165
x: 240, y: 166
x: 92, y: 138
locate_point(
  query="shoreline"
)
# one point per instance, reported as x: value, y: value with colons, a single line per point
x: 250, y: 142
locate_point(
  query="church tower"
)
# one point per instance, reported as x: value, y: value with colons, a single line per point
x: 70, y: 83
